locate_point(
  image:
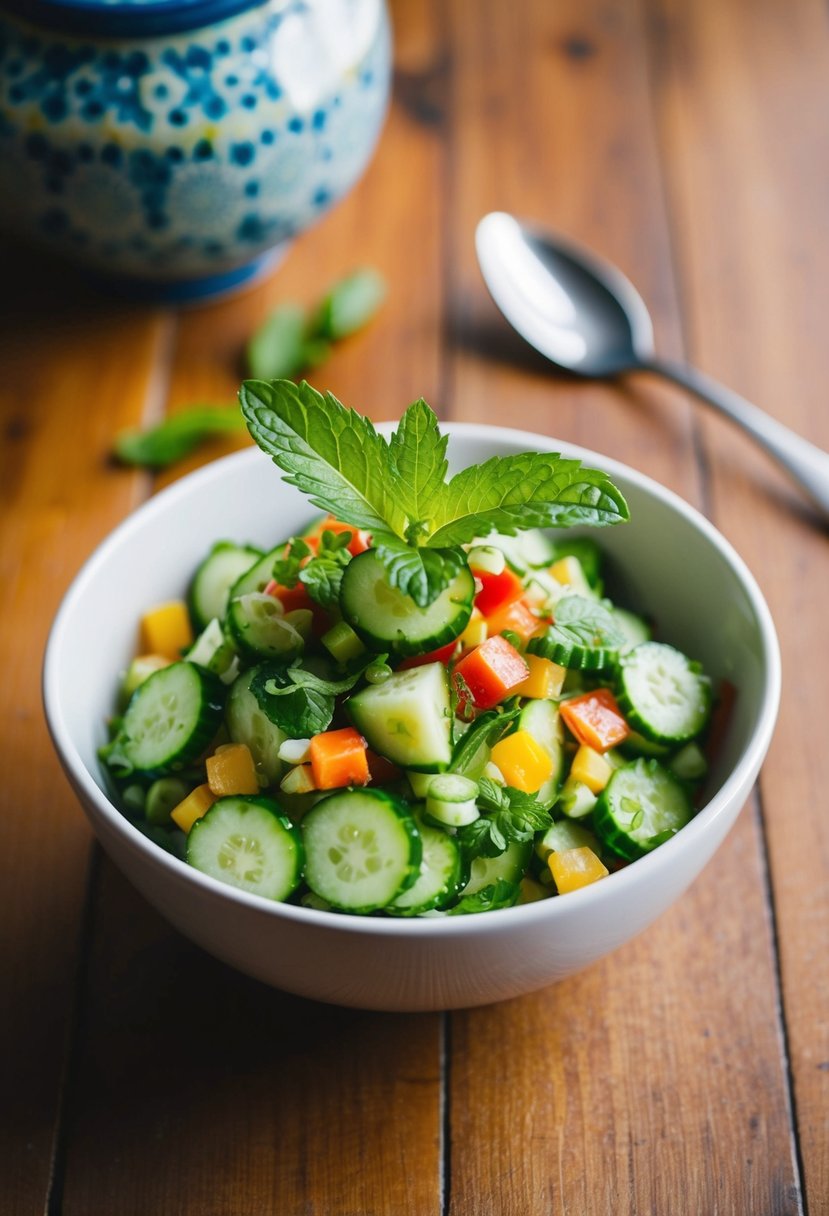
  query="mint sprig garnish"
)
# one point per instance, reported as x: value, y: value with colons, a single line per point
x: 398, y: 491
x: 507, y: 815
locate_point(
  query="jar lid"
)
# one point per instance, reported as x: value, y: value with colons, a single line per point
x: 124, y: 18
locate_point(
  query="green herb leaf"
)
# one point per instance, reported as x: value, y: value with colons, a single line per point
x: 278, y: 347
x: 177, y: 436
x: 418, y: 459
x: 500, y: 894
x: 580, y: 624
x: 323, y: 574
x: 507, y: 815
x: 528, y: 490
x: 349, y: 305
x: 332, y: 454
x: 421, y: 573
x: 297, y: 700
x: 472, y: 749
x: 286, y: 569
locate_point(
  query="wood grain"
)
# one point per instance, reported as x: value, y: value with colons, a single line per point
x: 66, y: 385
x: 751, y: 237
x: 633, y: 1073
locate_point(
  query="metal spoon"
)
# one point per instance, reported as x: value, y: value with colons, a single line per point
x: 587, y: 318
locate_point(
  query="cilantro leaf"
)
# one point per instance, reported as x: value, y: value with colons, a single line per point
x: 332, y: 454
x: 286, y: 569
x: 527, y: 490
x: 584, y: 634
x: 418, y: 456
x: 421, y: 573
x: 500, y: 894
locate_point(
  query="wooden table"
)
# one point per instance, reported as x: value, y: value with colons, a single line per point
x: 689, y: 1073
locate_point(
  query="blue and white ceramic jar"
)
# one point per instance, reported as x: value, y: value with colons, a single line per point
x: 178, y: 144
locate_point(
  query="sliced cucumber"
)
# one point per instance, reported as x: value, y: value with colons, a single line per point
x: 407, y: 719
x: 689, y: 763
x: 163, y: 796
x: 583, y: 635
x: 472, y: 751
x: 260, y: 628
x: 387, y: 620
x: 541, y: 720
x: 257, y: 577
x: 450, y: 800
x: 663, y: 694
x: 247, y: 723
x: 511, y: 866
x: 441, y: 874
x: 210, y: 589
x: 248, y: 843
x: 171, y: 718
x: 362, y: 850
x: 529, y: 550
x: 212, y: 649
x: 563, y: 835
x: 641, y: 806
x: 633, y: 628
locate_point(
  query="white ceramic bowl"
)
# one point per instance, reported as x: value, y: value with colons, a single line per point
x: 677, y: 567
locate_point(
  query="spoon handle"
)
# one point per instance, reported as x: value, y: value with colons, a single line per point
x: 807, y: 464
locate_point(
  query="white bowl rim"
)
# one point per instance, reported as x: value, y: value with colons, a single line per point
x: 404, y: 927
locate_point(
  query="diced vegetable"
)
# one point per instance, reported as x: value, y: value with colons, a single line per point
x: 338, y: 758
x: 516, y: 617
x: 197, y: 803
x: 230, y: 770
x: 166, y: 630
x: 545, y: 679
x: 526, y: 765
x: 497, y: 590
x: 591, y: 768
x: 576, y: 868
x: 490, y: 672
x: 595, y: 719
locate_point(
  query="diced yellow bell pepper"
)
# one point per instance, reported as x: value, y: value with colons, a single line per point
x: 530, y: 891
x: 544, y: 681
x: 575, y: 868
x: 591, y: 769
x: 569, y: 572
x: 475, y: 632
x: 298, y: 780
x: 197, y: 803
x: 166, y: 630
x: 526, y: 765
x: 230, y: 770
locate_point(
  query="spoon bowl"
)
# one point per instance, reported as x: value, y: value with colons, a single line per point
x: 587, y: 318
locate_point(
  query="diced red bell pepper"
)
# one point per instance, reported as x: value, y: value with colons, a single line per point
x: 595, y: 719
x: 292, y: 598
x: 497, y: 590
x: 442, y: 655
x: 489, y: 672
x: 517, y: 617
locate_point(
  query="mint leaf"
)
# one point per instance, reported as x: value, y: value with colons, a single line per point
x: 507, y: 815
x: 177, y: 436
x: 584, y: 634
x: 323, y: 574
x: 349, y: 305
x: 500, y: 894
x: 277, y: 348
x: 286, y: 569
x: 421, y: 573
x: 528, y: 490
x: 332, y: 454
x: 418, y: 456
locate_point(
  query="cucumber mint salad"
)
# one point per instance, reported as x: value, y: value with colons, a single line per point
x: 426, y: 704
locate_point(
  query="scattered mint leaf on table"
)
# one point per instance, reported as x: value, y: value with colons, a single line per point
x: 277, y: 348
x: 349, y: 305
x: 177, y: 436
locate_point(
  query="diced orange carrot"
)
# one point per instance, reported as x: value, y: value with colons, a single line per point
x: 517, y: 617
x: 338, y: 758
x: 490, y: 671
x: 595, y: 719
x: 166, y: 630
x: 230, y: 770
x: 497, y: 590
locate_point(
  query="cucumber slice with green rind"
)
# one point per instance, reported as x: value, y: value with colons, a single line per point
x: 248, y: 843
x: 407, y: 719
x: 583, y: 636
x: 362, y: 850
x: 540, y: 719
x: 511, y: 865
x: 259, y: 575
x: 641, y: 807
x: 663, y: 694
x: 260, y: 629
x: 441, y: 876
x: 387, y: 620
x: 247, y: 723
x: 171, y: 719
x: 210, y: 588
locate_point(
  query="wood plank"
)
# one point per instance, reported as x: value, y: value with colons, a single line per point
x: 624, y: 1079
x: 239, y: 1091
x: 66, y: 385
x: 751, y: 237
